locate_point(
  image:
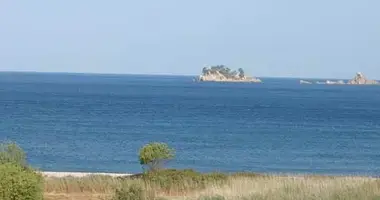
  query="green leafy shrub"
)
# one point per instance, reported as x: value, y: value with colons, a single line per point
x: 154, y: 155
x: 12, y: 153
x: 182, y: 180
x: 18, y: 183
x: 132, y: 192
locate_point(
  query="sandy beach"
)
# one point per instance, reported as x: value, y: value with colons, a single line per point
x: 80, y: 174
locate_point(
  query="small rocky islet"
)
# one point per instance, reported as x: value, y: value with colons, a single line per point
x: 221, y: 73
x: 359, y: 79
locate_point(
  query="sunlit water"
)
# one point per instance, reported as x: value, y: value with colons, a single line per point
x: 79, y: 122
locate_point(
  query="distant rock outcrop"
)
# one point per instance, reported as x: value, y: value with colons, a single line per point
x: 305, y: 82
x: 328, y: 82
x: 335, y: 82
x: 360, y: 79
x: 220, y: 73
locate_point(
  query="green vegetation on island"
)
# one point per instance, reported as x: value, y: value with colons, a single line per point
x: 221, y: 73
x: 225, y: 71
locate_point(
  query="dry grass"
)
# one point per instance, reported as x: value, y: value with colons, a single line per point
x: 295, y: 188
x: 236, y: 188
x: 90, y: 184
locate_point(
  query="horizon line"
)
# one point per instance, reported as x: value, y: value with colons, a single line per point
x: 159, y: 74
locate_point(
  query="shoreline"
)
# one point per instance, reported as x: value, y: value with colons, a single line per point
x: 50, y: 174
x: 80, y: 174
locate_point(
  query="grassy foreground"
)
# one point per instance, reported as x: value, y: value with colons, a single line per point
x: 218, y: 187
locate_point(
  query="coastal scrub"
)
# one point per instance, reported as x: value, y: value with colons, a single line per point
x: 18, y: 181
x: 154, y: 155
x: 11, y: 153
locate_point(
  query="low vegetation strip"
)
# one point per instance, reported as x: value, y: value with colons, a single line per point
x: 19, y: 181
x: 186, y: 185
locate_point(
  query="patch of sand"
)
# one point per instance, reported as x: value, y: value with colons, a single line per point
x: 80, y: 174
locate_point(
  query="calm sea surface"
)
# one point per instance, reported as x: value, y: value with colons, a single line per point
x: 79, y: 122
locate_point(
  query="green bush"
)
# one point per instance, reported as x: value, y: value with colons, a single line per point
x: 12, y: 153
x: 154, y: 155
x: 18, y: 183
x: 182, y: 180
x: 132, y: 192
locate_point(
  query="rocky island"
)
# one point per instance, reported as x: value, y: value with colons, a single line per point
x: 221, y: 73
x: 359, y: 79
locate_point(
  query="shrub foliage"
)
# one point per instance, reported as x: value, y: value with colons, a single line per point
x: 12, y: 153
x: 18, y: 183
x: 154, y: 155
x: 132, y: 192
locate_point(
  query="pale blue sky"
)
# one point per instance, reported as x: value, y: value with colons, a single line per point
x: 292, y: 38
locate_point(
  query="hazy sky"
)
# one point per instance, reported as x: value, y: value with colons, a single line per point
x: 290, y: 38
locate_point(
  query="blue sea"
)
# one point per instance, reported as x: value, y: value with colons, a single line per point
x: 98, y: 123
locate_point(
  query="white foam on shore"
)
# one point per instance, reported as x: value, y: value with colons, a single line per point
x: 80, y: 174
